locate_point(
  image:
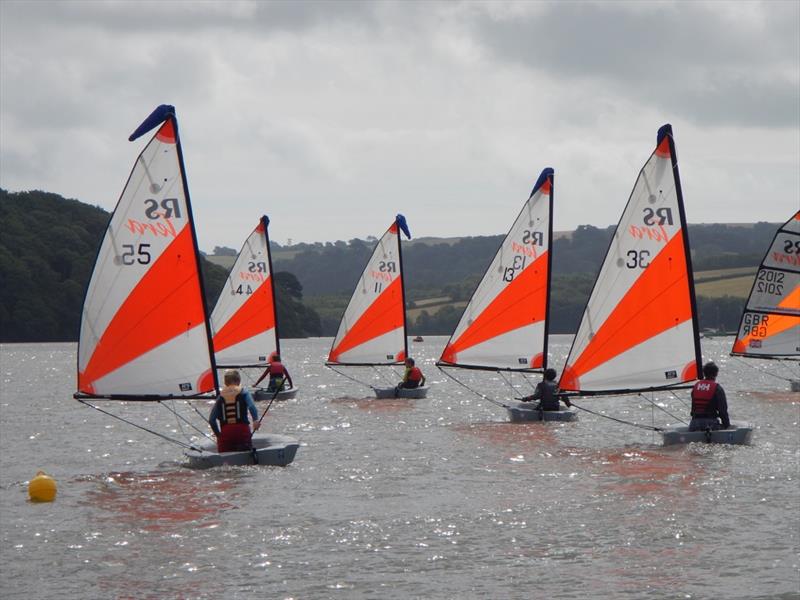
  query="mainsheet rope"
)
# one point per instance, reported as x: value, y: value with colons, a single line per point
x: 762, y: 371
x: 156, y: 433
x: 476, y: 392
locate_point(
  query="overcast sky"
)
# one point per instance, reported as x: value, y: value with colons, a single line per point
x: 330, y: 117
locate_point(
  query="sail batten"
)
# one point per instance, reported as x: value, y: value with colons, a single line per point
x: 639, y: 329
x: 505, y: 323
x: 144, y: 328
x: 373, y: 327
x: 770, y: 323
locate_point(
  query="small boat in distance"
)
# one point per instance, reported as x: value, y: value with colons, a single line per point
x: 419, y: 338
x: 770, y: 323
x: 372, y: 331
x: 145, y: 333
x: 244, y: 321
x: 639, y: 330
x: 504, y: 326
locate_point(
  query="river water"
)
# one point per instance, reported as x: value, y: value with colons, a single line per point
x: 435, y: 498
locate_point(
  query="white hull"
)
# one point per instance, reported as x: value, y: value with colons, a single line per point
x: 260, y: 394
x: 270, y: 450
x: 414, y: 393
x: 524, y: 412
x: 738, y: 433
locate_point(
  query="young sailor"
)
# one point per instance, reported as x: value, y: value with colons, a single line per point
x: 546, y: 393
x: 230, y: 410
x: 709, y: 403
x: 278, y: 375
x: 413, y: 377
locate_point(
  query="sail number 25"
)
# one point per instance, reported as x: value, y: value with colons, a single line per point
x: 135, y: 254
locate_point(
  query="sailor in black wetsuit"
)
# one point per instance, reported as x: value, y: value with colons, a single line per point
x: 546, y: 393
x: 709, y: 404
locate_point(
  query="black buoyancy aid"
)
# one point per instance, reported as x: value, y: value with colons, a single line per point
x: 703, y: 404
x: 549, y: 400
x: 234, y: 412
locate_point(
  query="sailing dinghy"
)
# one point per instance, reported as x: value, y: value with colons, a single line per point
x: 770, y: 324
x: 372, y: 331
x: 144, y: 328
x: 504, y: 327
x: 639, y: 330
x: 245, y: 319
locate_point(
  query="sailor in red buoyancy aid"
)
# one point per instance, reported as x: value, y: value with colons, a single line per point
x: 278, y: 375
x: 413, y: 377
x: 709, y: 403
x: 228, y: 418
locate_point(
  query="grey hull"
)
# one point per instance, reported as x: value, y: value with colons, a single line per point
x: 270, y: 450
x: 739, y: 433
x: 260, y: 394
x: 415, y: 393
x: 523, y: 412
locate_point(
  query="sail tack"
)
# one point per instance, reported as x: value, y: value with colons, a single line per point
x: 244, y: 318
x: 639, y: 329
x: 373, y: 327
x: 143, y: 326
x: 770, y: 325
x: 504, y: 325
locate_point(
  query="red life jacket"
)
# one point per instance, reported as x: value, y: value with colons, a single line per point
x: 703, y: 404
x: 414, y: 374
x: 276, y: 369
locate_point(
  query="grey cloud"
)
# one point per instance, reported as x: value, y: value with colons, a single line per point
x: 666, y: 54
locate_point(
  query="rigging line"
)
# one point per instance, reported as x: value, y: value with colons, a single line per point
x: 383, y: 376
x: 591, y: 412
x: 530, y: 382
x: 477, y: 393
x: 508, y: 383
x: 762, y: 371
x: 650, y: 400
x: 179, y: 417
x: 346, y: 376
x: 156, y: 433
x: 679, y: 399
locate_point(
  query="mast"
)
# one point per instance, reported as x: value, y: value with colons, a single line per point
x: 206, y: 315
x: 401, y: 224
x: 545, y: 346
x: 265, y: 224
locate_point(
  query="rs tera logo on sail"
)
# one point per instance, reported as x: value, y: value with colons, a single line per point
x: 170, y: 208
x: 653, y: 224
x: 256, y: 271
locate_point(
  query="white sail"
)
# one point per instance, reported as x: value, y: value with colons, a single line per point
x: 373, y: 327
x: 504, y: 325
x: 770, y: 324
x: 244, y: 319
x: 639, y: 329
x: 144, y: 327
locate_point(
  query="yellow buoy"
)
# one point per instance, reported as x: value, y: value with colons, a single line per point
x: 42, y: 488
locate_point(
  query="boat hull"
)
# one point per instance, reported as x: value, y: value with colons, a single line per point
x: 270, y: 450
x: 522, y: 413
x: 738, y: 433
x: 413, y: 393
x: 260, y: 394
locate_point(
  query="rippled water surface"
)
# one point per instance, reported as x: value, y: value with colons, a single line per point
x: 399, y: 498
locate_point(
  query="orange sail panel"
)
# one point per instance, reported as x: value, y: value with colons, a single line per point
x: 383, y: 316
x: 255, y: 316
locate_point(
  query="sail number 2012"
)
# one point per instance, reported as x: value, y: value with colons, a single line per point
x: 770, y: 282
